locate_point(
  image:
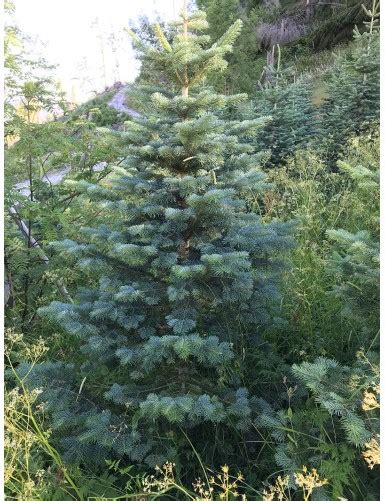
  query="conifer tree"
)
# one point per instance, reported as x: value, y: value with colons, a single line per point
x: 343, y: 402
x: 352, y: 106
x: 180, y: 281
x: 287, y: 100
x: 354, y: 260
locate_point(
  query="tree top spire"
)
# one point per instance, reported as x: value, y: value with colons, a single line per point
x: 187, y: 57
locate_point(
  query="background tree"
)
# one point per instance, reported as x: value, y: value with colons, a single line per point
x: 353, y: 88
x: 287, y: 99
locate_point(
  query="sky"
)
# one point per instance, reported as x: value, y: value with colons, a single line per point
x: 77, y: 33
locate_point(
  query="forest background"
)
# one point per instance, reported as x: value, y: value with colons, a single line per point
x: 193, y: 313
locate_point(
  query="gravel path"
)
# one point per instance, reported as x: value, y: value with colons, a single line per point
x: 118, y: 102
x: 53, y: 177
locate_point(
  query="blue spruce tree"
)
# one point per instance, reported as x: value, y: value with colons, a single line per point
x: 180, y: 279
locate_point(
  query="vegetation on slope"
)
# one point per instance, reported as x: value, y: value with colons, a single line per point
x: 158, y: 314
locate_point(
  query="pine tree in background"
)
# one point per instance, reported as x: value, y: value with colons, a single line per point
x: 288, y: 101
x: 353, y: 102
x: 181, y: 285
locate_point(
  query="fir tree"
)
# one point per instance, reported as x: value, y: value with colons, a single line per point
x: 354, y: 260
x: 353, y: 90
x: 150, y: 72
x: 329, y: 428
x: 181, y: 282
x: 287, y: 101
